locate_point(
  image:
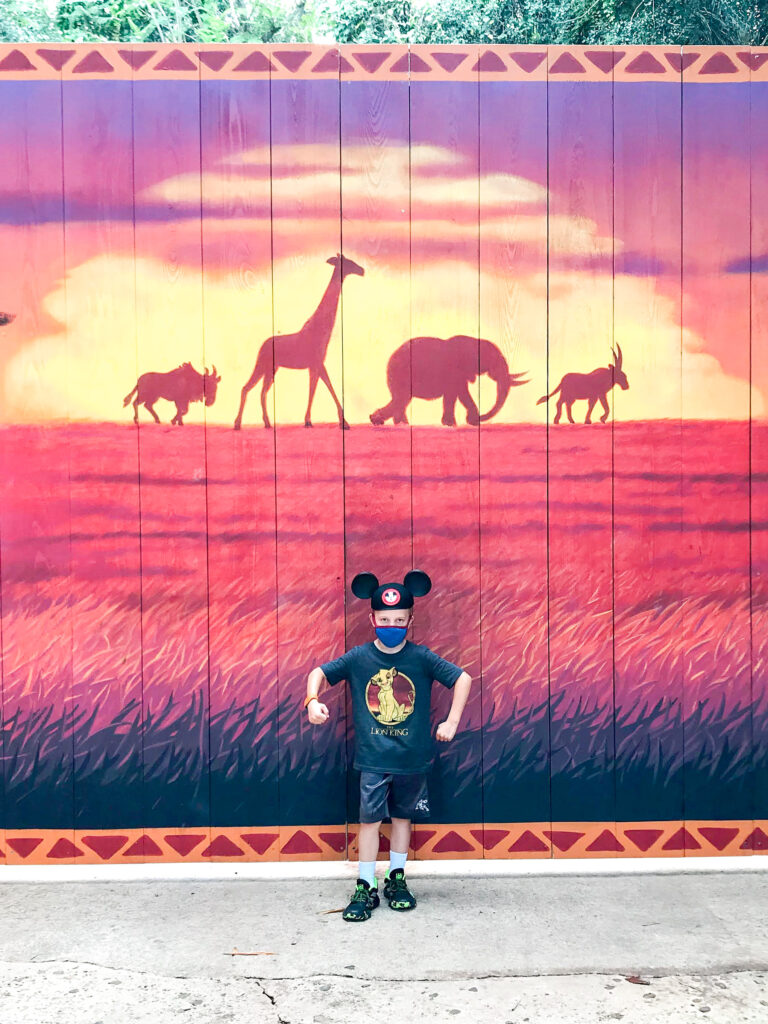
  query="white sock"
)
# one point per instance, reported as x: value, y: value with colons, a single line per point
x: 367, y: 872
x: 397, y: 860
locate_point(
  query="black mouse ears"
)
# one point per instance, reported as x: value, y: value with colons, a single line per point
x: 417, y: 582
x: 365, y: 583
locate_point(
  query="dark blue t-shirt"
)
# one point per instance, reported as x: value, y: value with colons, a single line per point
x: 391, y: 697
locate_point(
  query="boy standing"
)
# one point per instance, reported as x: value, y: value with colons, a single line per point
x: 390, y: 682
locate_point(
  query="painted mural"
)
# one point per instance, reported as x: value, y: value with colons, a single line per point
x: 276, y: 315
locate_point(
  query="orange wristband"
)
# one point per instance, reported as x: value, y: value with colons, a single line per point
x: 308, y: 699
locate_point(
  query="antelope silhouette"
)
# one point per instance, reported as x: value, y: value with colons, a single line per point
x: 304, y: 350
x: 593, y: 387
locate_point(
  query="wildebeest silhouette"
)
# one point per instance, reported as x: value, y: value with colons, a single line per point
x: 304, y: 350
x: 592, y: 387
x: 181, y: 386
x: 6, y: 318
x: 443, y: 368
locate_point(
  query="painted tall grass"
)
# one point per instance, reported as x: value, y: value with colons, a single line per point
x: 109, y: 718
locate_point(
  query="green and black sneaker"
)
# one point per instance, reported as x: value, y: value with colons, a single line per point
x: 397, y: 892
x: 363, y: 903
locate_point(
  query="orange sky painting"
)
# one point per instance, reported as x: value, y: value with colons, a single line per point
x: 115, y: 271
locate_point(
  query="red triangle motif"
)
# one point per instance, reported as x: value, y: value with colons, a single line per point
x: 184, y: 844
x: 564, y: 840
x: 489, y: 837
x: 418, y: 839
x: 143, y: 847
x: 528, y: 842
x: 105, y: 846
x: 259, y: 842
x: 605, y: 60
x: 2, y: 854
x: 214, y: 59
x: 24, y: 846
x: 752, y: 60
x: 643, y: 838
x: 449, y: 61
x: 490, y: 61
x: 329, y: 62
x: 56, y: 58
x: 63, y: 849
x: 255, y: 62
x: 370, y: 62
x: 222, y: 846
x: 452, y: 842
x: 527, y: 61
x: 719, y: 837
x: 645, y: 64
x: 718, y: 64
x: 300, y: 842
x: 566, y: 63
x: 415, y: 63
x: 681, y: 61
x: 292, y: 59
x: 757, y: 840
x: 92, y: 63
x: 336, y: 840
x: 682, y: 840
x: 16, y: 61
x: 383, y: 843
x: 175, y: 61
x: 136, y: 58
x: 606, y: 841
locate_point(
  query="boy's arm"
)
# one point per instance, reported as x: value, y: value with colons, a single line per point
x: 316, y: 711
x: 447, y: 729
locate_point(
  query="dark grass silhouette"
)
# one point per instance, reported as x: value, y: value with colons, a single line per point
x: 112, y: 749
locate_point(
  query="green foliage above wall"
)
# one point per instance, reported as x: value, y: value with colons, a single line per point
x: 673, y: 22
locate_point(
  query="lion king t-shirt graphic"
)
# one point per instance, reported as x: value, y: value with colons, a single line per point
x: 391, y: 697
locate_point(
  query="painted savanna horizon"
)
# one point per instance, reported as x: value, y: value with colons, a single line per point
x: 419, y: 245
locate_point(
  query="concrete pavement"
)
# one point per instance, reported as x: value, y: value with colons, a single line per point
x: 485, y: 949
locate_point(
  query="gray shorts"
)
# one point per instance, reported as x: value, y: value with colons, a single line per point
x: 393, y: 796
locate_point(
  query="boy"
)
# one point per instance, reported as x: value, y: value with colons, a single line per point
x: 390, y: 681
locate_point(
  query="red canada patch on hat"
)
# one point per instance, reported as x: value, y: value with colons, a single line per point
x: 390, y: 596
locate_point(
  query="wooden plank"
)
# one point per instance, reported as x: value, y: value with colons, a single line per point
x: 34, y: 503
x: 513, y: 491
x: 759, y: 440
x: 580, y: 463
x: 308, y: 460
x: 105, y: 585
x: 237, y: 311
x: 375, y: 323
x: 716, y: 329
x: 172, y: 459
x: 446, y: 463
x: 647, y: 446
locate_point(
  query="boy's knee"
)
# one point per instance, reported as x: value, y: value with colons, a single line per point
x: 370, y: 825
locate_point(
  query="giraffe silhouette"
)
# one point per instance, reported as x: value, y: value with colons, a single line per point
x: 304, y: 350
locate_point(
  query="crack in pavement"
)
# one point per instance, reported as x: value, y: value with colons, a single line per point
x: 757, y: 967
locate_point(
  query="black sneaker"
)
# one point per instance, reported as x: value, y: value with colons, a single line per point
x: 364, y: 901
x: 397, y: 892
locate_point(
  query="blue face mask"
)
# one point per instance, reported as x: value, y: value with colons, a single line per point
x: 391, y: 636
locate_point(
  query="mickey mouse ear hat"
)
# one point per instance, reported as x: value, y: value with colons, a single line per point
x: 391, y: 595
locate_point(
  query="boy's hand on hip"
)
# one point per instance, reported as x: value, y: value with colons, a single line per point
x: 318, y: 713
x: 446, y: 731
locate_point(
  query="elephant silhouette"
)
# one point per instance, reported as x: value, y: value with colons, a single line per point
x: 444, y: 368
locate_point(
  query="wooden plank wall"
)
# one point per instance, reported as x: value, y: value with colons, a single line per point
x: 166, y: 589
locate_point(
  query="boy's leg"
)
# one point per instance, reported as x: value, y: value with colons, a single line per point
x: 400, y: 840
x: 409, y: 798
x: 368, y: 850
